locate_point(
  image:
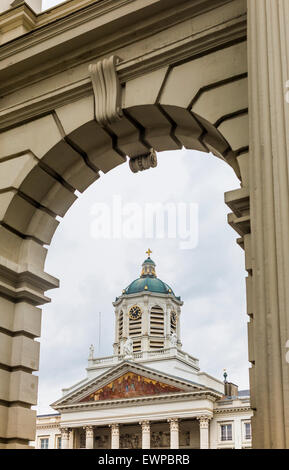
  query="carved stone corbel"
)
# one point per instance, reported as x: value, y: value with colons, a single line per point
x: 143, y: 162
x: 107, y: 90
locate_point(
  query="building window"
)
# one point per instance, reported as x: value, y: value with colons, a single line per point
x: 58, y: 442
x: 44, y: 443
x: 248, y: 433
x: 226, y: 432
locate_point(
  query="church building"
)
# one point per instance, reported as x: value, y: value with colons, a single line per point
x: 150, y: 393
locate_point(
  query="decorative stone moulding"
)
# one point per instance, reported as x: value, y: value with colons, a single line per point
x: 143, y: 162
x: 107, y: 90
x: 204, y: 421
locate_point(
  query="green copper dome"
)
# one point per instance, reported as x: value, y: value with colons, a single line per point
x: 151, y: 284
x: 148, y: 281
x: 149, y: 261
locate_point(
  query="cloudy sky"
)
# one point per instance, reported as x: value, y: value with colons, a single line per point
x: 50, y: 3
x: 208, y: 277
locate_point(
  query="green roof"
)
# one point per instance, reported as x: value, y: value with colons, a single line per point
x: 151, y: 284
x: 148, y: 281
x: 149, y: 261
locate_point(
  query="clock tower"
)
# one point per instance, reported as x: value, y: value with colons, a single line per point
x: 147, y: 312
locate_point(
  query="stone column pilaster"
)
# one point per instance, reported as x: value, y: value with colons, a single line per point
x: 145, y: 325
x: 204, y: 432
x: 116, y: 331
x: 89, y: 436
x: 20, y: 324
x: 114, y: 436
x: 178, y: 328
x: 267, y: 289
x: 64, y: 438
x: 166, y: 327
x: 71, y: 439
x: 146, y: 434
x: 174, y: 432
x: 238, y: 431
x: 125, y: 325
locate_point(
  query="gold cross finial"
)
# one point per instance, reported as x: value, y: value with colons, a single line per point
x: 149, y: 253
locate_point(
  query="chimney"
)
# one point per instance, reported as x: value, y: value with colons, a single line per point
x: 230, y: 389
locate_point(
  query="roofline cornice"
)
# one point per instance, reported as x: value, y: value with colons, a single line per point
x: 48, y: 426
x: 203, y: 394
x: 123, y: 297
x: 233, y: 410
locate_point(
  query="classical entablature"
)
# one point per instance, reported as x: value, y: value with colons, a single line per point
x: 90, y: 84
x: 239, y: 409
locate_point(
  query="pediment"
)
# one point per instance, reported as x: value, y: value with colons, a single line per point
x: 131, y: 385
x: 126, y: 381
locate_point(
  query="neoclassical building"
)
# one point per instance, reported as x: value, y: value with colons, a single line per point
x: 149, y: 393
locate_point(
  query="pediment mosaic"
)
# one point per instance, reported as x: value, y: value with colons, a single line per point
x: 130, y: 385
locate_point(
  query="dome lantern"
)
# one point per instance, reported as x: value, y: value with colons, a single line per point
x: 148, y: 266
x: 148, y: 281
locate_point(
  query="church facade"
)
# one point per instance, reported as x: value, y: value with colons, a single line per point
x: 150, y: 393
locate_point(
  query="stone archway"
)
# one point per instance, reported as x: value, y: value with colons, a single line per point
x: 192, y: 94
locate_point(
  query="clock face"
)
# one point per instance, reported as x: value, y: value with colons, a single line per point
x: 174, y: 317
x: 135, y: 312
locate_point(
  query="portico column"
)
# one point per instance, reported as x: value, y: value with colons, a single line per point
x: 204, y: 432
x: 174, y: 431
x: 64, y: 438
x: 268, y: 293
x: 89, y: 437
x: 114, y: 436
x: 71, y: 439
x: 146, y: 434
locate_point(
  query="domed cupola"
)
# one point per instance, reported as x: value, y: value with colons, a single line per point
x: 148, y: 280
x: 148, y: 267
x: 147, y: 312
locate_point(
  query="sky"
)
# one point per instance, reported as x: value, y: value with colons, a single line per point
x: 210, y: 277
x: 50, y: 3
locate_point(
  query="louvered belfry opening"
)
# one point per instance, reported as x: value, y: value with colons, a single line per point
x: 135, y: 333
x: 156, y: 327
